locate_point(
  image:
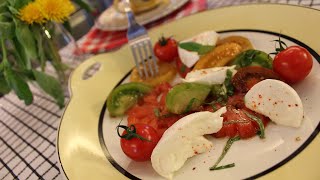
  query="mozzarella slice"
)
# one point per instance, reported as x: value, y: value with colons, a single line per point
x: 183, y: 140
x: 189, y: 58
x: 276, y: 100
x: 209, y: 76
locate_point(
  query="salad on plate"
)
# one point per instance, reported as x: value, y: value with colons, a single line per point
x: 207, y: 86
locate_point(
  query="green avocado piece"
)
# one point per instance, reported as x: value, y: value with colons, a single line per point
x: 125, y: 96
x: 252, y: 57
x: 180, y: 97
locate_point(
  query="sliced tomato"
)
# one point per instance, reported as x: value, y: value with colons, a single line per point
x: 247, y: 77
x: 151, y: 110
x: 236, y: 122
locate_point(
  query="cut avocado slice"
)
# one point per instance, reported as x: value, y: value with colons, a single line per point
x: 125, y: 96
x: 181, y: 96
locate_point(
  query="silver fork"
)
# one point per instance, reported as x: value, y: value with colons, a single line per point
x: 140, y: 45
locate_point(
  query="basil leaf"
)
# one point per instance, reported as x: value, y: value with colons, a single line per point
x: 26, y: 38
x: 196, y: 47
x: 225, y: 150
x: 18, y: 84
x: 51, y: 86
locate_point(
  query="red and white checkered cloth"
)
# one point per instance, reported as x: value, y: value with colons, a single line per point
x: 98, y: 41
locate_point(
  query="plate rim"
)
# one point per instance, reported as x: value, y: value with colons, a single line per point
x: 295, y: 153
x: 214, y: 9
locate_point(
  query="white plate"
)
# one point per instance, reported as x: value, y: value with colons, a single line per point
x: 253, y: 157
x: 79, y: 147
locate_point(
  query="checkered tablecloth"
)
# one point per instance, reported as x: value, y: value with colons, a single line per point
x: 28, y: 133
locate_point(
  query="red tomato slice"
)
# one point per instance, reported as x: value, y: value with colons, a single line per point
x: 183, y: 70
x: 247, y: 77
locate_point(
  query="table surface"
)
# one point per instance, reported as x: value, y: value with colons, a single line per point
x: 28, y: 133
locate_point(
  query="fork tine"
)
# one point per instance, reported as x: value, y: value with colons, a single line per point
x: 147, y: 56
x: 142, y: 60
x: 153, y: 57
x: 133, y: 50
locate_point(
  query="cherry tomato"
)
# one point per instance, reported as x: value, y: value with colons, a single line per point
x: 183, y: 70
x: 247, y: 77
x: 140, y: 149
x: 293, y: 64
x: 166, y: 49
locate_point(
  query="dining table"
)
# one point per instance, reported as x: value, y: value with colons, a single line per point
x: 28, y: 133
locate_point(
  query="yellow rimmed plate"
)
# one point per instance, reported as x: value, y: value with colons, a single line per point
x: 78, y: 145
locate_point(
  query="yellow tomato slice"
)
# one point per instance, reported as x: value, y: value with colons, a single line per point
x: 219, y: 56
x: 167, y: 72
x: 242, y: 41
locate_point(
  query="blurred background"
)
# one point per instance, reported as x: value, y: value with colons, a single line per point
x: 83, y: 21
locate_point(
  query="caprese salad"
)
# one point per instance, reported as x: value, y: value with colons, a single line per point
x: 226, y: 88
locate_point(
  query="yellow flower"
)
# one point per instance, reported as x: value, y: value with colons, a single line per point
x: 56, y: 10
x: 31, y: 14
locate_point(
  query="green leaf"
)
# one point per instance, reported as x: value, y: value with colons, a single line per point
x: 51, y: 86
x: 225, y: 150
x: 13, y: 10
x: 228, y: 83
x: 18, y: 3
x: 7, y: 29
x: 4, y: 87
x: 39, y: 39
x: 23, y: 59
x: 26, y: 38
x: 18, y: 84
x: 196, y: 47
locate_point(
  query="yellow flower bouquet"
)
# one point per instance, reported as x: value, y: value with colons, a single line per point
x: 27, y: 46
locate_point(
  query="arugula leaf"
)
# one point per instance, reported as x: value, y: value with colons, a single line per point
x: 196, y: 47
x: 20, y: 87
x: 51, y: 86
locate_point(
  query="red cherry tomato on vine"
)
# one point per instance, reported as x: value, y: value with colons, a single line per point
x: 293, y: 64
x: 166, y: 49
x: 138, y: 141
x: 183, y: 70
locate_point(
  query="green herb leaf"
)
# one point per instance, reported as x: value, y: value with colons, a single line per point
x: 225, y: 150
x: 225, y: 166
x: 260, y: 123
x: 196, y: 47
x: 51, y: 86
x: 18, y: 84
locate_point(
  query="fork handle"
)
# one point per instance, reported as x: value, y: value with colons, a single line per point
x: 131, y: 20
